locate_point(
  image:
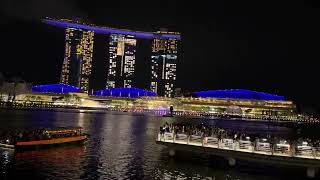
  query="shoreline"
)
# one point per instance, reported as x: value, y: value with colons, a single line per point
x: 104, y: 111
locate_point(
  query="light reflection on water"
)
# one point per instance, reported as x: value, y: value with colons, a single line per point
x: 5, y: 159
x: 119, y: 147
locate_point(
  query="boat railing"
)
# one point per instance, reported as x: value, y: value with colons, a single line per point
x: 281, y: 148
x: 213, y: 141
x: 245, y: 145
x: 195, y: 138
x: 227, y: 144
x: 181, y: 137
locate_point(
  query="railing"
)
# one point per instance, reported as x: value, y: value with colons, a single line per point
x: 280, y: 149
x: 292, y: 118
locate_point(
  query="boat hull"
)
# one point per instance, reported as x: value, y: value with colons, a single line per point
x: 50, y: 142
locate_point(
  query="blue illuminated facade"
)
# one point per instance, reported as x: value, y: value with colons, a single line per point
x: 124, y: 92
x: 55, y: 88
x: 238, y: 94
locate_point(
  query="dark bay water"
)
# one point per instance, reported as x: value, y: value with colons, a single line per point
x: 122, y: 146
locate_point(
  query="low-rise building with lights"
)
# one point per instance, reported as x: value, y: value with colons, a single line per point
x: 238, y: 102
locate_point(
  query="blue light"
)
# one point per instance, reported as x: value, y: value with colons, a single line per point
x: 124, y: 92
x: 107, y: 30
x: 238, y: 94
x: 55, y: 88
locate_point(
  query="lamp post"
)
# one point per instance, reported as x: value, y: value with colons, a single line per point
x: 269, y: 119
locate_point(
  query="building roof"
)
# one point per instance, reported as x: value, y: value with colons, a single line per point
x: 61, y: 130
x: 55, y: 88
x: 124, y: 92
x: 108, y: 30
x: 238, y: 94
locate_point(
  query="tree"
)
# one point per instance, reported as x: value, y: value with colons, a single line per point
x: 67, y: 98
x: 38, y: 98
x: 76, y: 98
x: 32, y: 98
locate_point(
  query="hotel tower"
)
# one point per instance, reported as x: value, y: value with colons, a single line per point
x: 120, y: 56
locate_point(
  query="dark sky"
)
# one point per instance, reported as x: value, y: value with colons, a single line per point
x: 270, y: 47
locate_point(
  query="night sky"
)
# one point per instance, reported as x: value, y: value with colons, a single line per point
x: 270, y: 47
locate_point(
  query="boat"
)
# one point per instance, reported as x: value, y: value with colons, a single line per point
x: 44, y: 137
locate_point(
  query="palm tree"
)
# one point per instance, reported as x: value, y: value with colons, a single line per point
x: 27, y: 98
x: 31, y: 98
x: 76, y: 98
x: 67, y: 98
x: 38, y: 98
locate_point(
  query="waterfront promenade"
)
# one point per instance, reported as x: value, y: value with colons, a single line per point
x: 43, y: 105
x: 261, y: 151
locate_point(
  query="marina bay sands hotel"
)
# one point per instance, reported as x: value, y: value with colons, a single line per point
x: 120, y: 56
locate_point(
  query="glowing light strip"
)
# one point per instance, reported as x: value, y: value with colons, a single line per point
x: 55, y: 88
x: 124, y: 92
x: 53, y: 141
x: 107, y: 30
x: 239, y: 94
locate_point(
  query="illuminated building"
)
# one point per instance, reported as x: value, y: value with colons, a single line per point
x: 9, y: 90
x: 164, y: 65
x: 124, y: 92
x: 122, y: 49
x: 239, y: 94
x: 240, y: 102
x: 120, y: 69
x: 55, y: 88
x: 66, y: 23
x: 77, y: 63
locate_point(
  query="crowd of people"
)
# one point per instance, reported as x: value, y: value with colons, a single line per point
x: 201, y: 130
x: 10, y: 137
x: 205, y: 130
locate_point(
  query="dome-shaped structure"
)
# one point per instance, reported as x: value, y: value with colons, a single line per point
x: 124, y: 92
x: 55, y: 88
x: 238, y: 94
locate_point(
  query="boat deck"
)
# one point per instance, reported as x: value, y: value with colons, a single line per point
x: 238, y: 151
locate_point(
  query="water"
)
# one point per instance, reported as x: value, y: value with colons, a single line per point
x: 122, y: 146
